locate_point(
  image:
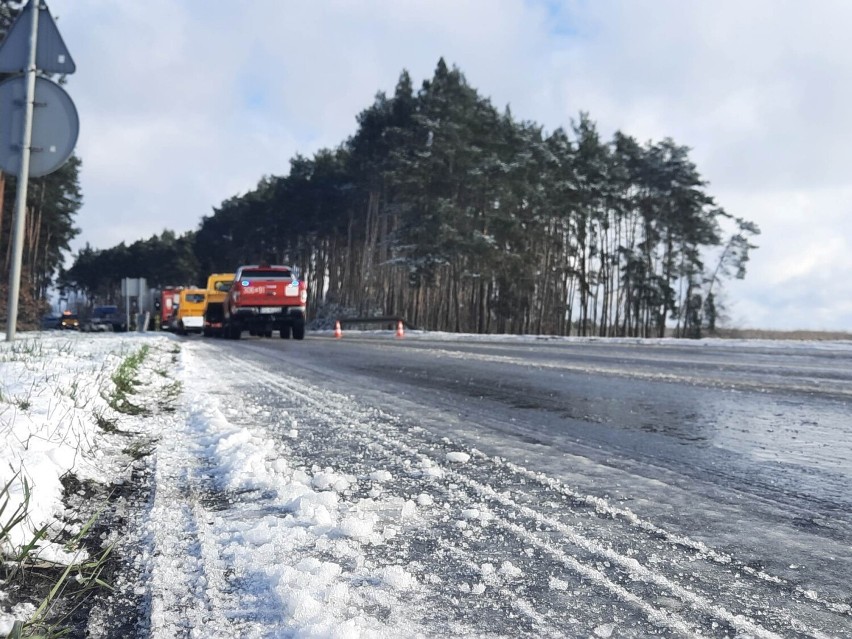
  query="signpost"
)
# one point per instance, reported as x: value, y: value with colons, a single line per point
x: 33, y: 43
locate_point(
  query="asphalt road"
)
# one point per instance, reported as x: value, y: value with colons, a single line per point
x: 678, y: 489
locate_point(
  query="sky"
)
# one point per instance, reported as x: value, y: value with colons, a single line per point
x: 279, y: 520
x: 185, y: 104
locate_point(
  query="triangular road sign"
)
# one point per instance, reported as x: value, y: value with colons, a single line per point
x: 52, y: 55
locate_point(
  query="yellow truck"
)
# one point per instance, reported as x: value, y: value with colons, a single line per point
x: 189, y: 315
x: 218, y: 285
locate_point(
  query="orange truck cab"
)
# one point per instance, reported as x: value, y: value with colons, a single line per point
x: 189, y: 316
x: 218, y: 285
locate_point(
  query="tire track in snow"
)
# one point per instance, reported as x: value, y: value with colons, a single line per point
x: 541, y: 623
x: 186, y: 577
x: 367, y: 423
x: 700, y: 550
x: 388, y: 554
x: 496, y: 598
x: 367, y: 428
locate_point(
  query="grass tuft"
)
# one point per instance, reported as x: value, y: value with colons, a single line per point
x: 13, y: 518
x: 125, y: 381
x: 62, y: 588
x: 106, y: 424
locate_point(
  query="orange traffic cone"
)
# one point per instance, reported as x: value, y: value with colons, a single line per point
x: 399, y: 331
x: 337, y: 332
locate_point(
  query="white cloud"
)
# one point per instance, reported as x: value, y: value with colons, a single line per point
x: 184, y: 104
x: 799, y: 277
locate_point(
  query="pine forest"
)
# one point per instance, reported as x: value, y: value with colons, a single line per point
x: 447, y: 211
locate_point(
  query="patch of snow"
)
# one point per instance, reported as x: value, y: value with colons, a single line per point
x: 458, y: 457
x: 381, y: 476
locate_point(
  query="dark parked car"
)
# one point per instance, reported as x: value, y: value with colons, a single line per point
x: 106, y: 318
x: 49, y: 322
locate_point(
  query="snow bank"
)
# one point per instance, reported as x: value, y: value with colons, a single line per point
x: 54, y: 421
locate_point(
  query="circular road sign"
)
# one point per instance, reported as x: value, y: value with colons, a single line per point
x: 55, y: 126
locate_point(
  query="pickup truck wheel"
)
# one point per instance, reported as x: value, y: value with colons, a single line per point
x: 299, y: 330
x: 285, y: 331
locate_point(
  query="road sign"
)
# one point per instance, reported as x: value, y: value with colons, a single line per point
x: 22, y: 100
x: 51, y: 55
x: 54, y: 131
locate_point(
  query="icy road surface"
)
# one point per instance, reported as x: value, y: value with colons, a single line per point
x: 381, y: 487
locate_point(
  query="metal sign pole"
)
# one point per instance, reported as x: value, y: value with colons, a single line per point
x: 125, y: 284
x: 23, y: 177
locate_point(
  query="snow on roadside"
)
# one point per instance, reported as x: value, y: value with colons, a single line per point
x: 54, y: 421
x: 209, y: 534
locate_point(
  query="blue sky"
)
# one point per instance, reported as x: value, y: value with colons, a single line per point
x: 184, y: 104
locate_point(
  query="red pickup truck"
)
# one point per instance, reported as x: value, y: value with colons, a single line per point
x: 263, y: 299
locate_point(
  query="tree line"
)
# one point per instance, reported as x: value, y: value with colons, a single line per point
x: 459, y: 217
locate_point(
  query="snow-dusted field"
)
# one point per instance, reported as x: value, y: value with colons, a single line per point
x: 277, y: 506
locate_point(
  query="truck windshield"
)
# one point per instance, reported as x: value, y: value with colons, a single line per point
x: 195, y: 297
x: 223, y: 287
